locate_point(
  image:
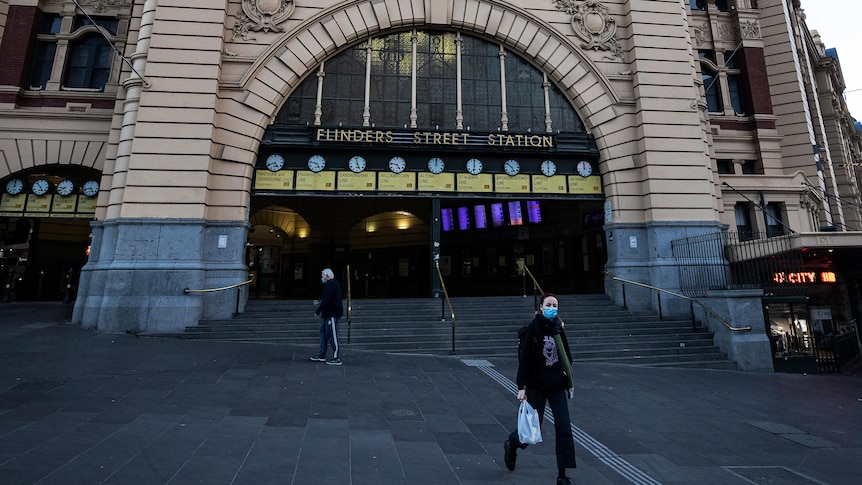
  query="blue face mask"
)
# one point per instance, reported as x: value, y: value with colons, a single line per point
x: 549, y: 313
x: 323, y: 280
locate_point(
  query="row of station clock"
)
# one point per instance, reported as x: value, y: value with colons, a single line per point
x: 357, y: 164
x: 42, y: 186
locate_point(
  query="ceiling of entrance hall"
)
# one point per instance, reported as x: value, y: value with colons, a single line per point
x: 411, y: 79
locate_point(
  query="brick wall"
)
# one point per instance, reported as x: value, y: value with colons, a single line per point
x: 754, y: 69
x: 15, y: 49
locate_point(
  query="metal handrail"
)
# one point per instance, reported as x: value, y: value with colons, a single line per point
x: 210, y: 290
x: 349, y: 303
x: 730, y: 327
x: 448, y: 301
x: 238, y: 286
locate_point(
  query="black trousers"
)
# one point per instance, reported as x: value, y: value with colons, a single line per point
x: 562, y: 424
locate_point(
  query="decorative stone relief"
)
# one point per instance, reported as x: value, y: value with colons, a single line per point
x: 262, y: 15
x: 728, y: 32
x: 102, y: 5
x: 593, y: 24
x: 749, y: 30
x: 702, y: 34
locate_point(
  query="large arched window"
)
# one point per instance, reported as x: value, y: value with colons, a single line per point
x: 88, y: 64
x: 431, y: 80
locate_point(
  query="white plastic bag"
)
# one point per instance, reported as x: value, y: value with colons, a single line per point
x: 529, y: 431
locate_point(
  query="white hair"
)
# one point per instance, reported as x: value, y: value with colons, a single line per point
x: 327, y: 273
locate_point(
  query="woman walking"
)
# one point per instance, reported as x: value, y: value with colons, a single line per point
x: 544, y: 376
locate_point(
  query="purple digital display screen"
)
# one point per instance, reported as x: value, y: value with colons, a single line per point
x: 534, y: 212
x: 448, y: 222
x: 497, y: 215
x: 481, y: 217
x: 463, y: 218
x: 515, y: 217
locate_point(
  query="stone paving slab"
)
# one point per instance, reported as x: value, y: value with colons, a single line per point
x: 78, y: 406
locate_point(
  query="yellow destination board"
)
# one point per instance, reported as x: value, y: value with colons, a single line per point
x: 483, y: 182
x: 396, y: 182
x: 63, y: 204
x: 38, y: 203
x: 436, y: 182
x: 267, y: 180
x: 87, y: 205
x: 518, y: 184
x: 307, y: 180
x: 357, y: 182
x: 12, y: 205
x: 555, y: 184
x: 582, y: 185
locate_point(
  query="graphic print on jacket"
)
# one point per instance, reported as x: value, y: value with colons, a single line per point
x: 550, y: 351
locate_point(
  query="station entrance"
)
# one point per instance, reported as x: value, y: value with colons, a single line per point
x: 385, y: 247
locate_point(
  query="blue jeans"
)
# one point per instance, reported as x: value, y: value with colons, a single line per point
x: 557, y: 400
x: 328, y: 335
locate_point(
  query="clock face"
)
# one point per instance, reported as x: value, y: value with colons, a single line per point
x: 549, y: 168
x: 14, y: 186
x: 474, y: 166
x: 512, y: 167
x: 90, y: 188
x: 435, y: 165
x: 357, y: 164
x: 65, y: 187
x: 584, y: 168
x: 316, y: 163
x: 41, y: 186
x: 397, y: 164
x: 275, y: 162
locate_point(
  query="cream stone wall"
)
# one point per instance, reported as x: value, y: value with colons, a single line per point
x: 4, y: 11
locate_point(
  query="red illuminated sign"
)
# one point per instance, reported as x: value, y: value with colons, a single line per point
x: 804, y: 277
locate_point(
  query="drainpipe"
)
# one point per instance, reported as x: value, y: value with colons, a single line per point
x: 133, y: 85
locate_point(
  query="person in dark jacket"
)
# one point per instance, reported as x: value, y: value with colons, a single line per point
x: 329, y: 311
x: 542, y: 378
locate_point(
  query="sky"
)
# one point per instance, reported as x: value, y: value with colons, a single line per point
x: 837, y: 22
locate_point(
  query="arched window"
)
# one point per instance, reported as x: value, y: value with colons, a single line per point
x: 88, y: 64
x: 384, y: 70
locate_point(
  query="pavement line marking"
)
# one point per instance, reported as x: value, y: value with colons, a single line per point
x: 596, y: 448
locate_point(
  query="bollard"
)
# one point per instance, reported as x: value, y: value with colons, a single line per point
x: 68, y: 298
x: 7, y: 294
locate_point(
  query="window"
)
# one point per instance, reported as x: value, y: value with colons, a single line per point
x: 749, y: 167
x: 44, y: 51
x: 727, y: 79
x: 712, y: 91
x: 88, y: 64
x: 724, y: 165
x: 742, y: 213
x: 697, y: 4
x: 530, y: 101
x: 774, y: 223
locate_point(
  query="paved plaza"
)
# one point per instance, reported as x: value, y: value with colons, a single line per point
x: 82, y: 407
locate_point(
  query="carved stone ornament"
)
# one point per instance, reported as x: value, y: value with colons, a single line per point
x: 749, y: 30
x: 702, y: 34
x: 593, y: 24
x: 262, y: 15
x: 103, y: 5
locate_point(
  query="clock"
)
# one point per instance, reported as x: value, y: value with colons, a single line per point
x: 397, y: 164
x: 65, y: 187
x: 14, y: 186
x: 549, y: 168
x: 41, y: 186
x: 274, y: 162
x: 474, y: 166
x: 512, y: 167
x: 585, y: 169
x: 316, y: 163
x: 435, y: 165
x: 356, y: 164
x: 90, y: 188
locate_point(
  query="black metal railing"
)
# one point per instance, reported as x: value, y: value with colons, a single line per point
x: 833, y: 353
x: 732, y: 261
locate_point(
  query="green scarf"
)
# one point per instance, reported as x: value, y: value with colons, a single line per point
x: 567, y: 364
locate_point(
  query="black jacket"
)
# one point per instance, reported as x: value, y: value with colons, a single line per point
x: 330, y: 301
x: 539, y: 364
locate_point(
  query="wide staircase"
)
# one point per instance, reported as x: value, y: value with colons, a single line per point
x: 597, y: 329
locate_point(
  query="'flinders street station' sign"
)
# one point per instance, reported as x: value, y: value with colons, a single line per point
x: 434, y: 138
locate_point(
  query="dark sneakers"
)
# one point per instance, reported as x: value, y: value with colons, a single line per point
x: 318, y: 359
x: 333, y: 362
x: 510, y: 454
x: 565, y: 481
